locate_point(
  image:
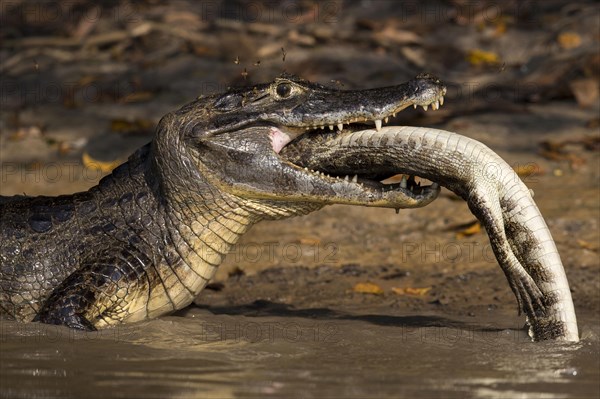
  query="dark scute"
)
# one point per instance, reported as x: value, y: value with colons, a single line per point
x: 96, y: 230
x: 125, y: 198
x: 141, y: 197
x: 108, y: 203
x: 63, y: 213
x: 40, y: 223
x: 115, y: 274
x: 108, y: 227
x: 86, y: 208
x: 121, y: 171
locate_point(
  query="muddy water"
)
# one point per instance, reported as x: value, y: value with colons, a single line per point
x: 208, y: 355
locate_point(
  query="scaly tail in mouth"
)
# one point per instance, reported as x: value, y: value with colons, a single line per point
x: 518, y: 233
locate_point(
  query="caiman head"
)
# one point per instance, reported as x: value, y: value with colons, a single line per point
x: 233, y: 141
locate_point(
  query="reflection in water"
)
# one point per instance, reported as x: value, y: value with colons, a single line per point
x: 222, y: 355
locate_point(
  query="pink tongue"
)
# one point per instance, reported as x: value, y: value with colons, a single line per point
x: 279, y: 139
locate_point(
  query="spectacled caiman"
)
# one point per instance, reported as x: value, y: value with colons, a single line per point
x: 148, y: 238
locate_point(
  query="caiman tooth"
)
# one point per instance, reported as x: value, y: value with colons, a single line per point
x: 355, y: 179
x: 330, y: 127
x: 394, y: 114
x: 387, y: 118
x: 441, y: 100
x: 322, y: 127
x: 425, y: 107
x: 347, y: 178
x: 435, y: 105
x: 378, y: 124
x: 415, y: 106
x: 403, y: 182
x: 340, y: 126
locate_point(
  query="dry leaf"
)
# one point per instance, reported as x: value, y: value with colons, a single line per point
x: 528, y: 170
x: 469, y: 230
x: 309, y: 241
x: 183, y: 18
x: 585, y: 91
x: 569, y: 40
x: 26, y: 133
x: 138, y: 96
x: 392, y: 35
x: 94, y: 164
x: 411, y: 291
x: 587, y: 245
x: 557, y: 150
x: 479, y: 58
x: 131, y: 127
x: 86, y: 80
x: 368, y: 288
x: 500, y: 27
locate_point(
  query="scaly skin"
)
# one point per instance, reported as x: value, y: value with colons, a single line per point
x: 146, y: 240
x: 518, y: 234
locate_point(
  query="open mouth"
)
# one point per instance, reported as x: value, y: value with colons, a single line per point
x: 315, y: 137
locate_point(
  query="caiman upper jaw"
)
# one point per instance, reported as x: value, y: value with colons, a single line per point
x: 309, y: 106
x: 424, y: 90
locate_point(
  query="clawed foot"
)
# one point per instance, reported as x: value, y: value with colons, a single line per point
x: 70, y: 320
x: 529, y: 297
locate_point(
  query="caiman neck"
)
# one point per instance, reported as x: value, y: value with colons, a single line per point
x: 203, y: 221
x: 190, y: 193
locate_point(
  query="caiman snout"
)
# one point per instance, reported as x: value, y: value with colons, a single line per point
x: 428, y: 90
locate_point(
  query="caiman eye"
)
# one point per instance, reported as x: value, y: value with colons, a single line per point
x: 284, y: 90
